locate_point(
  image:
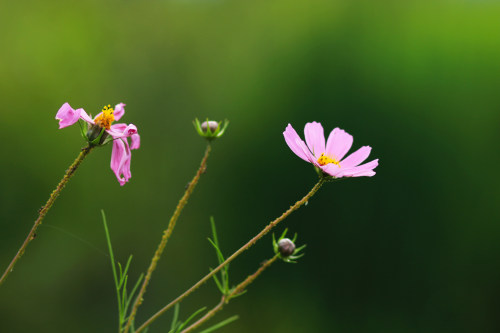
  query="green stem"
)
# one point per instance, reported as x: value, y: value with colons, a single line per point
x: 251, y: 242
x: 166, y: 236
x: 235, y: 292
x: 43, y: 211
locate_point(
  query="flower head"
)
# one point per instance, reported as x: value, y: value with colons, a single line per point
x: 101, y: 130
x: 329, y: 157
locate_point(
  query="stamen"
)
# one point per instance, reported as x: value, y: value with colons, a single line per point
x: 324, y: 160
x: 105, y: 119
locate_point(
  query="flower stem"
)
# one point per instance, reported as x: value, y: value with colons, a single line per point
x: 43, y: 211
x: 166, y: 236
x: 251, y: 242
x: 235, y: 292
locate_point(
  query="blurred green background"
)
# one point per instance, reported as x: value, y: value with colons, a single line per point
x: 413, y: 249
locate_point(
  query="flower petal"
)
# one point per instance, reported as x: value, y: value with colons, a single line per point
x: 119, y: 111
x: 315, y: 138
x: 338, y: 144
x: 86, y: 117
x: 361, y: 170
x: 293, y: 141
x: 67, y: 116
x: 136, y: 141
x: 120, y: 161
x: 122, y: 130
x: 331, y: 169
x: 310, y: 157
x: 355, y: 158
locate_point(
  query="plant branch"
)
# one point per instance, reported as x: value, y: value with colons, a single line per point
x: 166, y: 236
x: 43, y: 211
x: 235, y: 292
x: 249, y: 244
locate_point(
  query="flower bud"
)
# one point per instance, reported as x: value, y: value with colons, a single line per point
x: 286, y: 247
x: 212, y: 125
x: 210, y: 129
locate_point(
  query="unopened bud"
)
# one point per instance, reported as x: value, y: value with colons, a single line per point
x: 286, y: 247
x: 209, y: 124
x: 210, y: 129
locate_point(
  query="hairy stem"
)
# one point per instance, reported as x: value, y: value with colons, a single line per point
x: 235, y: 292
x: 166, y: 236
x: 43, y: 211
x: 249, y: 244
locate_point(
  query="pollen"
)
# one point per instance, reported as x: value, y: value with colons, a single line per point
x: 324, y: 160
x: 106, y: 117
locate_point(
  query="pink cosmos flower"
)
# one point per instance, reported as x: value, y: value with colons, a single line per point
x: 121, y: 153
x: 329, y: 157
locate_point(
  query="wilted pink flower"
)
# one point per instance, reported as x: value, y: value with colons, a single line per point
x: 121, y: 154
x: 328, y: 157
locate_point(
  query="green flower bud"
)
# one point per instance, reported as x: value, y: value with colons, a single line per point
x: 210, y: 129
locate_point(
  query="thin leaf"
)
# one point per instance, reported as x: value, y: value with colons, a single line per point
x: 82, y: 130
x: 220, y: 257
x: 214, y: 230
x: 221, y: 324
x: 239, y: 294
x: 112, y: 259
x: 110, y: 248
x: 124, y: 295
x: 125, y: 271
x: 190, y: 318
x: 121, y: 276
x: 131, y: 296
x: 174, y: 319
x: 297, y: 250
x: 284, y: 233
x: 217, y: 282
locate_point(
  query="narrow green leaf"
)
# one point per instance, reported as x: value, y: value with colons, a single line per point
x: 131, y: 296
x: 98, y: 139
x: 297, y: 250
x: 121, y: 275
x: 82, y: 130
x: 175, y: 318
x: 190, y: 318
x: 110, y: 248
x: 284, y: 233
x: 240, y: 294
x: 124, y: 295
x: 214, y: 230
x: 220, y: 257
x: 217, y: 282
x: 221, y: 324
x: 112, y: 259
x: 125, y: 271
x: 225, y: 277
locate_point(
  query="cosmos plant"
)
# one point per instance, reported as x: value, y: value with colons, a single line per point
x: 328, y: 158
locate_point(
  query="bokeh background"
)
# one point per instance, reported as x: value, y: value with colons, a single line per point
x: 413, y: 249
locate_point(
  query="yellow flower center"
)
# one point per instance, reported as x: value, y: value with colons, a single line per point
x: 105, y: 119
x: 324, y: 160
